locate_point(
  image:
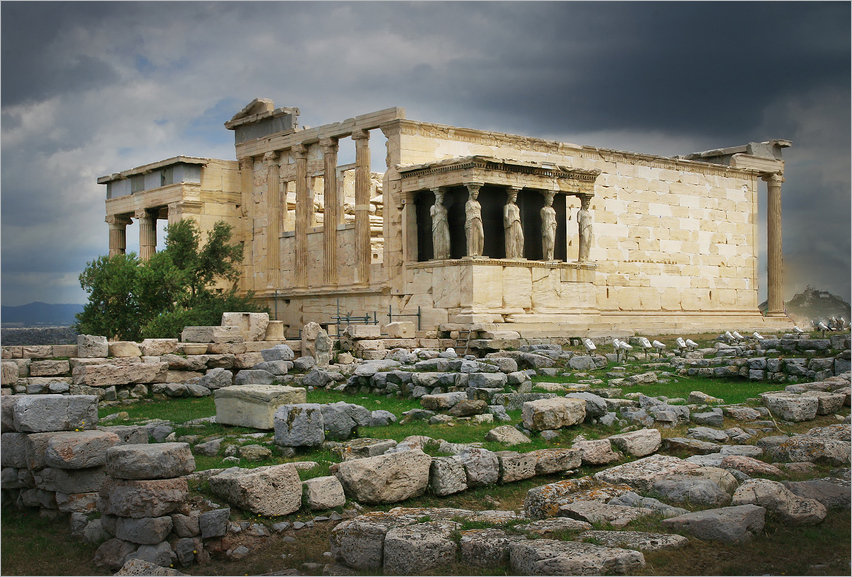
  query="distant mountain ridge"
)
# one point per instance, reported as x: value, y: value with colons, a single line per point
x: 39, y: 314
x: 812, y: 304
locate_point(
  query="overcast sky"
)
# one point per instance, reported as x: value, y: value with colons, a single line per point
x: 89, y: 89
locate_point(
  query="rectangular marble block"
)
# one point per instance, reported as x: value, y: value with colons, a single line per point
x: 254, y: 406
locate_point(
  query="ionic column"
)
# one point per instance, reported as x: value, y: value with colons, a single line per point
x: 273, y: 215
x: 331, y: 218
x: 303, y: 215
x: 363, y: 250
x: 147, y: 233
x: 117, y: 234
x: 774, y: 259
x: 584, y: 224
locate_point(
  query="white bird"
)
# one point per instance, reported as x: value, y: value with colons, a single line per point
x: 737, y: 336
x: 680, y: 343
x: 590, y: 346
x: 797, y: 330
x: 757, y: 335
x: 691, y: 344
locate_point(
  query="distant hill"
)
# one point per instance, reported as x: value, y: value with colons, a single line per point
x: 39, y: 314
x: 812, y: 304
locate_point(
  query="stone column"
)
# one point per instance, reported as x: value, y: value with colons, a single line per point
x: 512, y: 225
x: 363, y: 250
x: 473, y: 230
x: 147, y: 233
x: 247, y: 217
x: 273, y: 216
x: 333, y: 211
x: 774, y: 258
x: 117, y: 234
x: 584, y: 224
x: 303, y: 215
x: 440, y: 226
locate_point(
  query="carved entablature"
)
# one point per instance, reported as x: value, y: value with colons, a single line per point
x: 495, y: 171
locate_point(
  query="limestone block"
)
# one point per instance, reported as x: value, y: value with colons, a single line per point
x: 217, y: 378
x: 735, y: 524
x: 69, y: 481
x: 247, y: 360
x: 186, y: 525
x: 145, y: 531
x: 13, y: 450
x: 359, y: 544
x: 158, y: 347
x: 442, y: 401
x: 386, y: 478
x: 254, y: 406
x: 593, y: 511
x: 37, y: 351
x: 684, y: 489
x: 275, y: 331
x: 555, y: 413
x: 128, y: 434
x: 831, y: 495
x: 487, y: 380
x: 89, y: 346
x: 77, y: 502
x: 481, y: 466
x: 643, y: 473
x: 323, y: 493
x: 447, y: 476
x: 790, y: 407
x: 638, y: 443
x: 154, y: 461
x: 278, y: 353
x: 109, y: 375
x: 268, y: 491
x: 9, y: 373
x: 551, y: 461
x: 516, y: 466
x: 214, y: 523
x: 597, y: 452
x: 251, y: 377
x: 227, y: 334
x: 829, y: 403
x: 356, y: 332
x: 486, y: 547
x: 507, y: 434
x: 124, y: 349
x: 252, y: 326
x: 299, y: 425
x: 142, y: 497
x: 341, y: 419
x: 415, y: 549
x: 400, y: 330
x: 49, y: 368
x: 550, y: 557
x: 636, y: 540
x: 79, y: 450
x: 42, y: 413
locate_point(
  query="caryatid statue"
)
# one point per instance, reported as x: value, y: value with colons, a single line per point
x: 548, y: 226
x: 584, y: 222
x: 512, y: 224
x: 473, y: 222
x: 440, y: 226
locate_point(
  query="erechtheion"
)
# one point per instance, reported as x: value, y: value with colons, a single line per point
x: 641, y: 243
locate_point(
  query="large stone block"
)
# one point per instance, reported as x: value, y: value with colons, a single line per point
x: 358, y: 332
x: 550, y: 557
x: 556, y: 413
x: 516, y: 466
x: 49, y: 368
x: 254, y: 406
x: 341, y: 419
x: 773, y: 496
x: 158, y: 347
x: 79, y: 450
x: 323, y: 493
x: 42, y: 413
x: 89, y: 346
x: 638, y: 443
x: 154, y: 461
x: 212, y: 335
x: 254, y: 377
x: 415, y: 549
x: 551, y: 461
x: 278, y: 353
x: 13, y: 450
x: 109, y: 375
x: 359, y: 544
x: 643, y: 473
x: 252, y: 326
x: 447, y: 476
x: 299, y: 425
x: 69, y: 481
x: 144, y: 531
x: 400, y: 330
x: 481, y: 466
x: 124, y: 349
x: 791, y: 407
x: 268, y: 491
x: 735, y: 524
x: 9, y: 375
x: 142, y: 497
x: 386, y: 478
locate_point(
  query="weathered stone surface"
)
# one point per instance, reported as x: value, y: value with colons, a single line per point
x: 89, y: 346
x: 693, y: 446
x: 124, y: 349
x: 554, y: 526
x: 595, y: 404
x: 831, y: 495
x: 636, y: 540
x: 212, y: 334
x: 214, y: 523
x: 643, y: 473
x: 555, y: 413
x: 481, y: 466
x: 49, y: 368
x: 486, y: 547
x: 268, y: 491
x: 79, y: 450
x: 128, y: 434
x: 728, y: 524
x: 112, y: 553
x: 487, y: 380
x: 447, y: 476
x: 549, y: 557
x: 415, y: 549
x: 144, y: 531
x: 707, y: 434
x: 442, y: 401
x: 516, y: 466
x: 254, y: 406
x: 741, y: 413
x: 77, y: 502
x: 790, y: 407
x: 140, y: 566
x: 359, y: 544
x: 687, y: 489
x: 9, y: 375
x: 13, y: 450
x: 638, y: 443
x: 550, y: 461
x: 544, y: 501
x: 186, y: 525
x: 217, y: 378
x: 467, y: 408
x: 829, y: 403
x: 508, y: 435
x: 631, y: 499
x: 252, y: 326
x: 109, y: 375
x: 158, y: 347
x: 43, y: 413
x: 597, y: 452
x: 253, y: 377
x: 142, y: 497
x: 812, y: 449
x: 323, y: 493
x: 749, y: 466
x: 154, y: 461
x: 69, y: 481
x: 598, y: 512
x: 341, y: 420
x: 386, y: 478
x: 773, y: 496
x: 299, y: 425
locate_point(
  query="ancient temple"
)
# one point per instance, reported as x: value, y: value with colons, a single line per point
x: 469, y: 228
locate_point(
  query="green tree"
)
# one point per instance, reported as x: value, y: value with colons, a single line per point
x: 130, y: 299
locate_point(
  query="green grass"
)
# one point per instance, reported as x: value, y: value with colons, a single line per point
x: 732, y: 391
x: 174, y: 410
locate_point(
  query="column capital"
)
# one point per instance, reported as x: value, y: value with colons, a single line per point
x: 360, y: 135
x: 775, y: 178
x: 141, y: 213
x: 271, y: 155
x: 299, y: 151
x: 246, y: 161
x: 474, y: 185
x: 117, y: 220
x: 328, y: 145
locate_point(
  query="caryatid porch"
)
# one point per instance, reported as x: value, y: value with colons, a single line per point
x: 496, y: 233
